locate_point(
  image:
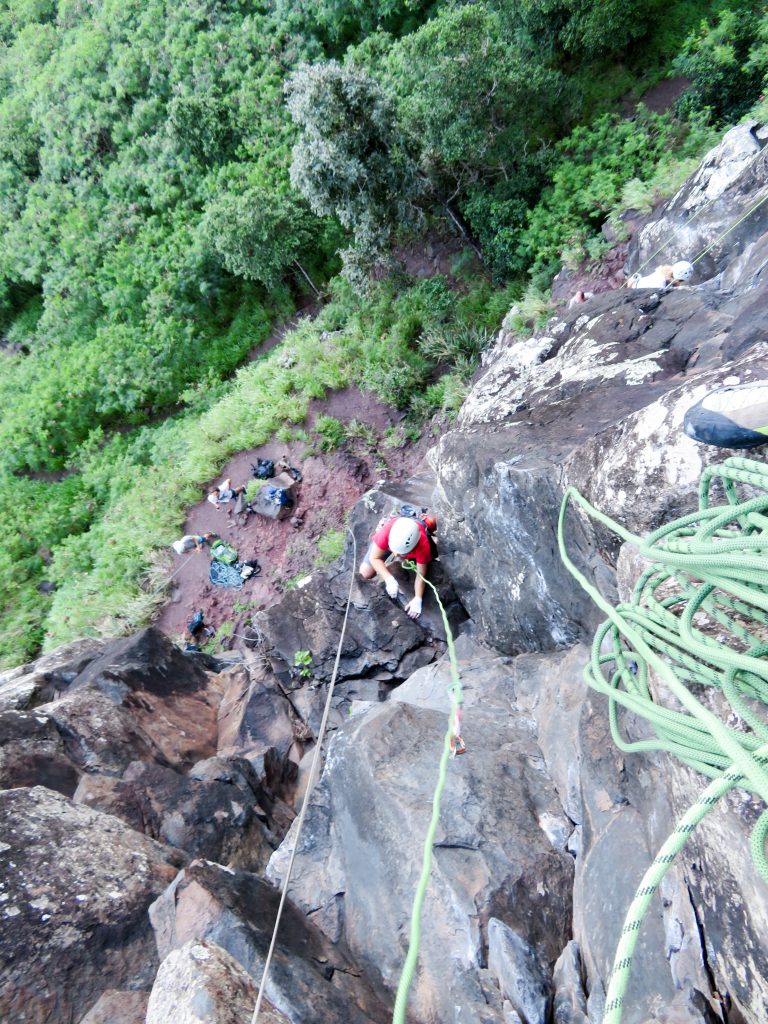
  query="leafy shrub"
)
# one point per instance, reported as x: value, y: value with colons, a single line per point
x: 727, y: 61
x: 594, y: 164
x: 329, y: 546
x: 332, y: 433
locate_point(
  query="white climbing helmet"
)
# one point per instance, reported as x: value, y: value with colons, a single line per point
x: 404, y: 536
x: 682, y: 271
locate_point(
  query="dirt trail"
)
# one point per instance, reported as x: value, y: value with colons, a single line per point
x: 331, y: 485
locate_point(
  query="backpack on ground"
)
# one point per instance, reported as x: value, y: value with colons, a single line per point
x: 263, y: 469
x: 195, y: 623
x: 223, y: 552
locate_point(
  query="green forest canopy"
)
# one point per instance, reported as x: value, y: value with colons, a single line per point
x: 175, y: 176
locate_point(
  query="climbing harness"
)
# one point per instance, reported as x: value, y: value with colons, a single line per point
x: 698, y: 617
x: 451, y: 745
x: 313, y: 774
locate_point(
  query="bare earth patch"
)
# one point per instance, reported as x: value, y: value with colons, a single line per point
x: 331, y: 485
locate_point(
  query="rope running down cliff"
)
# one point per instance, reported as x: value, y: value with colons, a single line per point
x: 313, y: 774
x: 671, y: 237
x: 449, y: 748
x: 707, y: 576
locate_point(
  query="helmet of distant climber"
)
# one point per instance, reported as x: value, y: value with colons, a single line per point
x: 396, y: 539
x: 682, y: 271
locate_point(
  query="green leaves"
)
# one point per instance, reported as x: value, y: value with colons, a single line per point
x: 257, y: 233
x: 350, y: 160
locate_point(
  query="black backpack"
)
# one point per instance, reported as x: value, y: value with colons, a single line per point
x: 264, y: 469
x: 195, y: 623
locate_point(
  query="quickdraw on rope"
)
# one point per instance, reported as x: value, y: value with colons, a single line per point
x: 314, y: 771
x: 457, y: 743
x: 697, y: 617
x: 452, y: 745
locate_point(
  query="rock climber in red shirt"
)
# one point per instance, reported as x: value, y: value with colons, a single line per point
x: 405, y: 538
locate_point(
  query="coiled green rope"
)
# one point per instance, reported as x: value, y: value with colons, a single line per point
x: 698, y: 616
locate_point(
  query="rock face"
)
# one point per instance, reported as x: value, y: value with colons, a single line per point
x: 202, y: 984
x: 212, y: 812
x: 28, y: 686
x: 76, y: 886
x: 309, y: 979
x: 366, y: 840
x: 726, y: 185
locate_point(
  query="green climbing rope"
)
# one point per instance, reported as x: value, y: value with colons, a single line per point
x: 698, y: 617
x: 409, y: 967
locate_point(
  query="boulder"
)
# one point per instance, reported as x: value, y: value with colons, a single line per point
x: 100, y: 736
x: 217, y: 817
x: 309, y: 979
x: 32, y: 753
x: 569, y: 1005
x: 40, y: 681
x: 76, y: 886
x: 202, y: 984
x: 269, y: 498
x: 363, y: 840
x: 255, y: 714
x: 522, y: 978
x: 140, y: 700
x: 114, y: 1007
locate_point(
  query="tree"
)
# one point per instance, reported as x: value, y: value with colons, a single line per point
x: 467, y: 97
x: 257, y: 233
x: 584, y: 28
x: 350, y: 160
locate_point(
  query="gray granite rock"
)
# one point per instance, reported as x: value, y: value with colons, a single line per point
x: 74, y: 892
x: 522, y: 978
x: 365, y: 839
x: 570, y: 1001
x: 310, y: 979
x: 200, y: 983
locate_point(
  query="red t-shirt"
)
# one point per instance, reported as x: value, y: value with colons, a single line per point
x: 421, y: 554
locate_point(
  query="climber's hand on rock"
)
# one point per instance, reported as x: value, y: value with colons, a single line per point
x: 413, y: 608
x: 392, y: 588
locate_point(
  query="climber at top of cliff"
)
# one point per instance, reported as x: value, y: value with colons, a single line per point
x: 663, y: 277
x: 404, y: 537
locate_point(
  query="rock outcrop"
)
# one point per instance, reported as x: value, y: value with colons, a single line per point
x: 310, y: 979
x: 202, y: 984
x: 500, y: 851
x: 76, y: 887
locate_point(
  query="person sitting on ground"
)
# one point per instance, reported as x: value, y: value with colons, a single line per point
x: 189, y: 541
x: 406, y: 538
x: 663, y: 277
x: 224, y: 492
